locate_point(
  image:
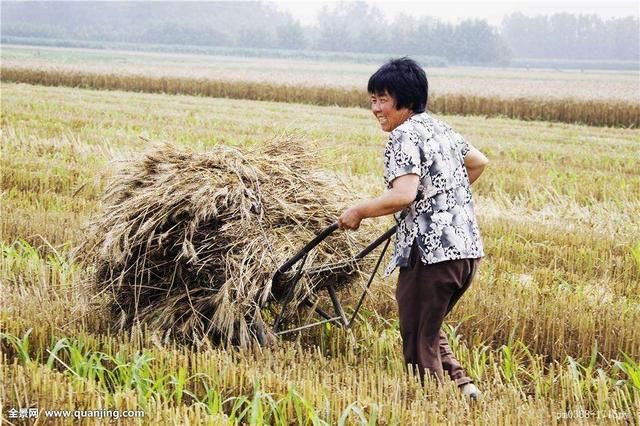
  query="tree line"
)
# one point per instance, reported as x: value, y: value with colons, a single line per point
x: 565, y: 36
x: 342, y: 27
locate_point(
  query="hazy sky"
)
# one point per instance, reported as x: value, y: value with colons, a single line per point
x: 492, y: 11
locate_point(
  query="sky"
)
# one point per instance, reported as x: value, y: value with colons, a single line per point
x: 455, y: 11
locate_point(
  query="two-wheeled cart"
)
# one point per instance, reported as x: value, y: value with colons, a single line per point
x: 293, y: 270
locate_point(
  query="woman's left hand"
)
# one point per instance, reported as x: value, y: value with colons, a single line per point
x: 350, y: 219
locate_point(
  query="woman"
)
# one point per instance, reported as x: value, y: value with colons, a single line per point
x: 428, y: 171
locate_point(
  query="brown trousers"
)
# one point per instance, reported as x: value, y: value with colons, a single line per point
x: 425, y: 295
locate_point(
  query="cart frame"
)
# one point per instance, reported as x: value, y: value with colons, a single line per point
x: 338, y: 316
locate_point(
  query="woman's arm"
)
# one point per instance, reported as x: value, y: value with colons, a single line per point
x: 475, y: 161
x: 402, y: 193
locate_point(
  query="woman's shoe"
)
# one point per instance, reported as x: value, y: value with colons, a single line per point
x: 471, y: 391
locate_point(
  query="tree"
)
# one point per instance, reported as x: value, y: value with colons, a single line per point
x: 290, y: 35
x: 334, y: 31
x: 565, y: 36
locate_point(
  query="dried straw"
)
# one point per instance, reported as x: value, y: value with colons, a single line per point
x: 187, y: 242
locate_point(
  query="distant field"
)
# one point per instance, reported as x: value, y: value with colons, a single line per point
x: 548, y: 328
x: 476, y: 81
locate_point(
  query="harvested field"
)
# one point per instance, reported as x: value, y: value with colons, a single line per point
x: 506, y: 83
x: 594, y: 113
x: 548, y: 330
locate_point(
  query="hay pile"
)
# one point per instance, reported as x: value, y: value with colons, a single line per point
x: 187, y: 243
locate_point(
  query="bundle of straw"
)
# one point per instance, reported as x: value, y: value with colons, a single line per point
x: 187, y: 243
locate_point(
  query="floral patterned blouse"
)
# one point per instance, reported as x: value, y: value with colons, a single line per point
x: 441, y: 219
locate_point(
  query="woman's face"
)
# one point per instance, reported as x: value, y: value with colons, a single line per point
x: 383, y: 107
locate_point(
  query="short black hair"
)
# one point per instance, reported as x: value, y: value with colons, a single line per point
x: 405, y: 81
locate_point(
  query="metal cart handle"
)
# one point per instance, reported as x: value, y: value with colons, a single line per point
x: 306, y: 249
x: 340, y: 315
